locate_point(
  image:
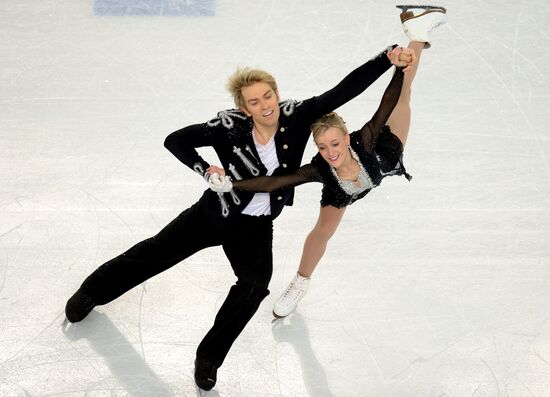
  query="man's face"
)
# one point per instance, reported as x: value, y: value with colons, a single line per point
x: 261, y: 103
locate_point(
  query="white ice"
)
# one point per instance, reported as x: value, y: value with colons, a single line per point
x: 437, y: 287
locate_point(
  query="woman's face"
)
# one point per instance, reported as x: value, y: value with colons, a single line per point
x: 262, y: 104
x: 333, y: 146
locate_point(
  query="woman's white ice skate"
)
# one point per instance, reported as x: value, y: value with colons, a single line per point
x: 419, y: 22
x: 292, y: 295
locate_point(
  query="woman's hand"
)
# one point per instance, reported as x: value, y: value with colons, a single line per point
x: 214, y: 169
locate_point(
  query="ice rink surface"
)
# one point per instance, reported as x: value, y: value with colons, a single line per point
x: 437, y: 287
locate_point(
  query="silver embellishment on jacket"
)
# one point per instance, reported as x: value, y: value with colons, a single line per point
x: 226, y: 118
x: 384, y: 52
x: 235, y: 173
x: 197, y: 167
x: 248, y: 164
x: 235, y: 198
x: 225, y: 206
x: 288, y: 106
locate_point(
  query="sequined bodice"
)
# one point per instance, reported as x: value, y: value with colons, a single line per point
x: 351, y: 187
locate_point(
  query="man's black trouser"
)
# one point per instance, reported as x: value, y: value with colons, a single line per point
x: 247, y: 243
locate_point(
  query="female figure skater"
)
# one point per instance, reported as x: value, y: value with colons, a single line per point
x: 349, y: 166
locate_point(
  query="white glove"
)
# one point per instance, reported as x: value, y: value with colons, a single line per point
x: 213, y: 178
x: 220, y: 184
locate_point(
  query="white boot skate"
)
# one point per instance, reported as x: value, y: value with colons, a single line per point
x: 417, y: 27
x: 292, y: 295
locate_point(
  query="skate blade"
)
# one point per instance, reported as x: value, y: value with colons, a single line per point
x: 277, y: 317
x: 406, y: 7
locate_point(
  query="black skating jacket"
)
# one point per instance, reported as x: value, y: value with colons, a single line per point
x: 230, y: 134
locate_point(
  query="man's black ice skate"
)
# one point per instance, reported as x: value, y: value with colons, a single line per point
x: 205, y: 373
x: 78, y: 306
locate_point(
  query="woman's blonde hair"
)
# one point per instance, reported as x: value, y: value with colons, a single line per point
x: 244, y: 77
x: 323, y: 123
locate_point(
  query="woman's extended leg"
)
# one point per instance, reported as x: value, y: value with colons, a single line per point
x: 400, y: 119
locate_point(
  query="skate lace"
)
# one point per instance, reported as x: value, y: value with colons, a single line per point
x: 294, y: 291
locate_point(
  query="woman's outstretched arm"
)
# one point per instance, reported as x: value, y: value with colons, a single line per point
x: 306, y: 173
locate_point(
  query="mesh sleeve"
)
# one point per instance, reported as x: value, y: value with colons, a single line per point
x: 371, y: 130
x: 306, y: 173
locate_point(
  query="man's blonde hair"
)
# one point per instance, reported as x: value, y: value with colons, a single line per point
x: 323, y: 123
x: 244, y: 77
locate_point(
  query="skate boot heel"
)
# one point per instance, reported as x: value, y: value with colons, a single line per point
x: 405, y: 16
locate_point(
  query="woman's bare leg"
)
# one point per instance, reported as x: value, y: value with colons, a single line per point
x: 317, y: 239
x: 400, y: 119
x: 314, y: 249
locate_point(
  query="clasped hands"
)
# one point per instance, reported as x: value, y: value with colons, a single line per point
x: 403, y: 57
x: 217, y: 180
